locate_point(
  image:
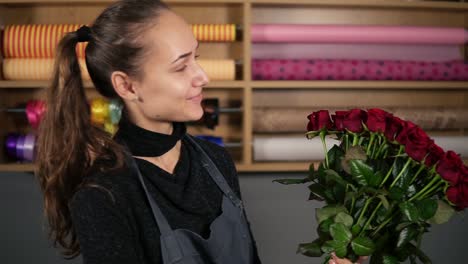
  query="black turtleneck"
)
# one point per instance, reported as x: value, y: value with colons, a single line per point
x: 114, y: 223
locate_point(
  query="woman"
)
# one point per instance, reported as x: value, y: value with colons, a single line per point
x: 151, y: 194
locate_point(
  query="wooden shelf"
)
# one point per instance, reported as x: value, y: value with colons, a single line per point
x: 371, y: 3
x: 88, y: 84
x: 363, y: 84
x: 17, y: 167
x: 274, y: 167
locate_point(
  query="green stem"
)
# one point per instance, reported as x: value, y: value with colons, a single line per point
x: 370, y: 218
x: 355, y: 139
x: 368, y: 151
x: 382, y: 225
x: 364, y: 210
x: 427, y: 187
x: 322, y: 137
x: 428, y: 192
x: 401, y: 172
x: 393, y: 165
x: 421, y: 168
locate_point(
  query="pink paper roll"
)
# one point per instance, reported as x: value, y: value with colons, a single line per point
x: 357, y: 70
x: 436, y: 53
x: 357, y: 34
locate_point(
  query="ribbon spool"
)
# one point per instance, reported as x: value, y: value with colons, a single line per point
x: 115, y: 110
x: 219, y: 141
x: 21, y: 147
x: 35, y: 110
x: 217, y: 32
x: 99, y: 111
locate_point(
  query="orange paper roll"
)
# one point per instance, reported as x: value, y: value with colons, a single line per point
x: 219, y: 70
x: 215, y: 32
x: 36, y: 41
x: 34, y: 69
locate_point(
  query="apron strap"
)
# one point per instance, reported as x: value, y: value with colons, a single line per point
x: 216, y: 175
x: 161, y: 221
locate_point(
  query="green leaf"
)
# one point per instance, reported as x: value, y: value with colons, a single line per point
x: 292, y: 181
x: 363, y: 246
x: 405, y: 177
x: 338, y: 247
x: 328, y: 247
x: 324, y: 227
x: 387, y: 259
x: 340, y: 233
x: 427, y: 208
x: 328, y: 211
x: 310, y: 249
x: 335, y: 155
x: 360, y: 171
x: 355, y: 229
x: 344, y: 218
x: 335, y: 177
x: 410, y: 211
x: 397, y: 193
x: 376, y: 179
x: 419, y: 253
x: 316, y: 192
x: 406, y: 235
x: 443, y: 214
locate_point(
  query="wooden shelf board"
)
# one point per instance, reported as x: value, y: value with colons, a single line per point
x: 459, y: 85
x: 370, y: 3
x: 88, y: 84
x: 17, y: 167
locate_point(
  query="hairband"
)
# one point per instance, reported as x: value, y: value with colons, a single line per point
x: 84, y: 34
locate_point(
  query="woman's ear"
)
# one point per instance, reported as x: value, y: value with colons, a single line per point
x: 124, y: 86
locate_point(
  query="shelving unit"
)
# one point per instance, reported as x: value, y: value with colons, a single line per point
x: 238, y: 127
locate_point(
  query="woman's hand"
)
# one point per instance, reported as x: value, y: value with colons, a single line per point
x: 336, y: 260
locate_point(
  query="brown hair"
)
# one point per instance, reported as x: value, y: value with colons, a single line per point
x: 69, y: 145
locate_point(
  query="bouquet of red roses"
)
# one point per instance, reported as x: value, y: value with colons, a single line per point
x: 383, y: 186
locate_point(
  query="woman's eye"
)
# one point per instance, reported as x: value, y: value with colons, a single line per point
x: 197, y: 56
x: 182, y: 69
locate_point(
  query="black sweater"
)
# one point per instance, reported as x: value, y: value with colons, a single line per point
x: 113, y: 220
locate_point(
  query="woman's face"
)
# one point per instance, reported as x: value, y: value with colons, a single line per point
x: 171, y: 85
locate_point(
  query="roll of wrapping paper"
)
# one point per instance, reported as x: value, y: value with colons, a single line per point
x: 34, y: 69
x: 219, y: 70
x: 289, y: 148
x: 215, y: 32
x: 357, y: 70
x: 36, y: 41
x: 298, y: 148
x: 293, y: 119
x: 357, y: 34
x: 438, y: 53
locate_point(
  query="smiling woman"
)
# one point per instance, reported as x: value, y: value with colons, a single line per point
x: 152, y: 193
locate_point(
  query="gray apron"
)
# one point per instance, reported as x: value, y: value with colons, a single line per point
x: 229, y: 241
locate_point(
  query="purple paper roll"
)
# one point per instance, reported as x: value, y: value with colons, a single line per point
x: 11, y: 142
x: 429, y: 53
x: 357, y: 70
x: 29, y: 147
x: 20, y: 148
x: 357, y: 34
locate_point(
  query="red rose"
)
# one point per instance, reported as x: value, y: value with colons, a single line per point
x: 417, y: 143
x: 435, y: 154
x: 393, y: 126
x: 464, y: 174
x: 402, y: 136
x: 450, y: 167
x: 376, y: 120
x: 319, y: 120
x: 338, y: 119
x: 353, y: 120
x: 458, y: 195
